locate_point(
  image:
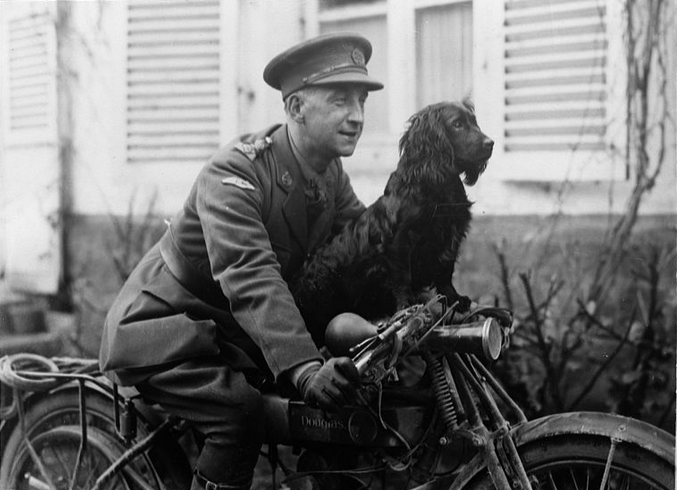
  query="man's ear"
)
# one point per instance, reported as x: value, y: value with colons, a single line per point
x: 295, y: 108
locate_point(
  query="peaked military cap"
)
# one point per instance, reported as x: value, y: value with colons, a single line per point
x: 328, y: 59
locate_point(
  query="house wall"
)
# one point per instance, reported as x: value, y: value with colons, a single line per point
x: 546, y: 217
x: 103, y: 183
x: 106, y: 189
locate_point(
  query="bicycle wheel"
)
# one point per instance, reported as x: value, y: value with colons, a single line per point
x: 577, y: 462
x: 53, y: 427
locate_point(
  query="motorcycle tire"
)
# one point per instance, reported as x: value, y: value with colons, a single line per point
x: 576, y: 461
x: 53, y: 427
x: 58, y: 450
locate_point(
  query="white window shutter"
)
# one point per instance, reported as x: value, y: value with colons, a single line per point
x: 173, y: 67
x: 555, y: 76
x: 30, y: 78
x: 30, y: 182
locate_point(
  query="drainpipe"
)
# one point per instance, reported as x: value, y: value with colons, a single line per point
x: 62, y: 301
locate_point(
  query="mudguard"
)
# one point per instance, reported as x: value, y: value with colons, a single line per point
x: 622, y: 429
x: 30, y: 398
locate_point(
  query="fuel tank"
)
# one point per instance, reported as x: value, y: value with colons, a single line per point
x: 289, y: 421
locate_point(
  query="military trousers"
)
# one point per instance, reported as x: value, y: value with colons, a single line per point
x: 223, y: 406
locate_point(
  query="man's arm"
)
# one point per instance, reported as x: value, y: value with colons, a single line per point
x: 244, y: 264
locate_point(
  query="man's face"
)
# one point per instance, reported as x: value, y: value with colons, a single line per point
x: 333, y: 119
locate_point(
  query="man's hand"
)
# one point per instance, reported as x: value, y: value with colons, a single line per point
x: 330, y: 386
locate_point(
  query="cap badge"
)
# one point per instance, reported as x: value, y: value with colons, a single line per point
x: 358, y: 57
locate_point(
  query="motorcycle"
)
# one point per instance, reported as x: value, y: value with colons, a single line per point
x: 430, y: 415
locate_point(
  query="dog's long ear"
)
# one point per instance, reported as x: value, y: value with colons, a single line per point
x: 425, y: 141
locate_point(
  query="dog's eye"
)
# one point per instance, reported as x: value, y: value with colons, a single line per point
x: 457, y: 124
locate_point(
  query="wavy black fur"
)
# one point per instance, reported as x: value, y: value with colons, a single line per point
x: 406, y: 242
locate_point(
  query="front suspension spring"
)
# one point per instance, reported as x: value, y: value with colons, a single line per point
x: 442, y: 390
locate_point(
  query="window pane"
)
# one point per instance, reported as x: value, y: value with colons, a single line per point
x: 374, y: 29
x: 443, y: 53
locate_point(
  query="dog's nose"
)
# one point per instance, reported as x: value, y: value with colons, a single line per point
x: 488, y: 143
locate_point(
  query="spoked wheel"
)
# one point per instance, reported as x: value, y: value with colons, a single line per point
x: 60, y: 462
x: 56, y: 456
x: 596, y: 464
x: 572, y: 462
x: 575, y: 465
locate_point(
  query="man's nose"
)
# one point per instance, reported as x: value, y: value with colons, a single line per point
x: 356, y: 113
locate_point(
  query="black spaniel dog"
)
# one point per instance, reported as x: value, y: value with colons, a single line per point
x: 407, y: 242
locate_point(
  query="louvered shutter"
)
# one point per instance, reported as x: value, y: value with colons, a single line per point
x: 172, y: 81
x: 30, y: 182
x: 555, y: 83
x: 31, y: 81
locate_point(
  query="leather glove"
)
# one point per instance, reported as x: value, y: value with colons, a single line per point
x: 331, y: 385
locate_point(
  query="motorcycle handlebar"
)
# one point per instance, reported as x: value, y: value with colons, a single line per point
x: 484, y: 338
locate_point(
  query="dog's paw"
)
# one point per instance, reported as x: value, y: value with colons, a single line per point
x: 464, y: 303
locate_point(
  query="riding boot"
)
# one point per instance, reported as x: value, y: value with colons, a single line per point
x: 201, y: 483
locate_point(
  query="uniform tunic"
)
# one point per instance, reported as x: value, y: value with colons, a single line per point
x: 241, y: 235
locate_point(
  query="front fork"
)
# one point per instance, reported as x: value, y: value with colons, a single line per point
x: 466, y: 381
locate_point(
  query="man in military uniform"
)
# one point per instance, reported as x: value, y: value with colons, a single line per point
x: 206, y: 317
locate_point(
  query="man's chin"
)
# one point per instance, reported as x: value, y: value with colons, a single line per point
x: 347, y: 150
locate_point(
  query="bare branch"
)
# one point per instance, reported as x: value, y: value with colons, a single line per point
x: 603, y: 367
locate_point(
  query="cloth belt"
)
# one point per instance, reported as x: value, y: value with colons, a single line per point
x: 197, y: 283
